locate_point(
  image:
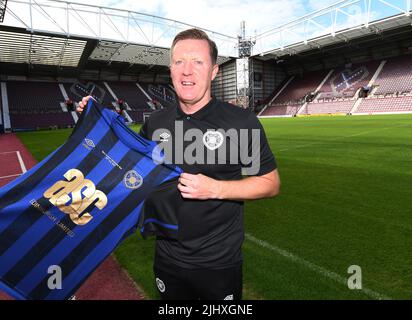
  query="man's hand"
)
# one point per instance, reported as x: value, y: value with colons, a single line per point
x: 83, y: 104
x: 198, y: 186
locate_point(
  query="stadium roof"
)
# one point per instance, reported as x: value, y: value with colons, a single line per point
x: 30, y: 48
x: 400, y: 21
x: 68, y: 35
x: 340, y: 22
x: 74, y: 35
x: 22, y: 46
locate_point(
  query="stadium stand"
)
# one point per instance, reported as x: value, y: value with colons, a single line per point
x: 392, y: 90
x: 280, y: 110
x: 71, y: 91
x: 390, y: 93
x: 299, y: 87
x: 137, y: 101
x: 41, y: 105
x: 344, y: 82
x: 38, y: 96
x: 395, y: 78
x: 102, y: 93
x: 37, y: 121
x: 328, y: 107
x: 293, y: 95
x: 277, y: 90
x: 131, y: 94
x: 385, y: 105
x: 162, y: 95
x: 336, y: 75
x: 77, y: 90
x: 38, y: 107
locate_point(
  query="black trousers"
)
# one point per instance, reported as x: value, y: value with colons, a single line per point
x: 175, y: 283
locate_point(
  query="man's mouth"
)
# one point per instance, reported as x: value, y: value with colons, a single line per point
x: 187, y: 83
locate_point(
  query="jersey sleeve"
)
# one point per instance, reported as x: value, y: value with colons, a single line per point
x: 159, y: 214
x: 262, y: 158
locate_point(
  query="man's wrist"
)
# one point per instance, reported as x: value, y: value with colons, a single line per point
x: 220, y: 189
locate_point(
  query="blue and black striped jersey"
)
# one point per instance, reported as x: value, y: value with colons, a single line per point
x: 73, y: 208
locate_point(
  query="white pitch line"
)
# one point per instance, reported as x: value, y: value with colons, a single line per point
x: 10, y: 176
x: 344, y: 137
x: 22, y: 166
x: 309, y: 265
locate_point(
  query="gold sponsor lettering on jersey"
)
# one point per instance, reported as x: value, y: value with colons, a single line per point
x: 75, y: 195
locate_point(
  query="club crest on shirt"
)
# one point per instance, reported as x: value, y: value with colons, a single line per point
x: 212, y: 139
x: 132, y: 179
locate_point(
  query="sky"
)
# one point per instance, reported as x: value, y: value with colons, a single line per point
x: 224, y: 16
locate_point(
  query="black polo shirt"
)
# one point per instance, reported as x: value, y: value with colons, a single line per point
x: 218, y: 141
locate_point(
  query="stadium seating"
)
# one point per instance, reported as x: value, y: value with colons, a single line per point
x: 163, y: 95
x: 37, y: 96
x: 395, y: 77
x: 40, y: 104
x: 389, y: 104
x: 391, y: 91
x: 70, y: 90
x: 275, y: 92
x: 345, y: 81
x: 329, y: 107
x: 129, y: 92
x: 293, y: 96
x: 103, y: 95
x: 299, y: 87
x: 36, y: 121
x: 79, y: 89
x: 281, y: 110
x: 36, y: 105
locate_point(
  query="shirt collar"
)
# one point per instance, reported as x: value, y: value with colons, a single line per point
x: 200, y: 114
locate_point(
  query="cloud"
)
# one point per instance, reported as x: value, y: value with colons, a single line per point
x: 222, y: 16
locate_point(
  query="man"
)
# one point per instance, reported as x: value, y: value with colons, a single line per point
x: 205, y: 262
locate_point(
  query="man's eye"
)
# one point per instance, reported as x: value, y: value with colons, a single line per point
x: 198, y: 62
x: 178, y: 62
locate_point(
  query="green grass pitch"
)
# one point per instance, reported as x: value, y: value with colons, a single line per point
x: 346, y: 199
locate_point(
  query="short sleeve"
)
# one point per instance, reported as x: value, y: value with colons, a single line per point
x: 263, y: 160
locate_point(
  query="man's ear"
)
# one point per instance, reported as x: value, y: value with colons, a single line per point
x: 215, y: 70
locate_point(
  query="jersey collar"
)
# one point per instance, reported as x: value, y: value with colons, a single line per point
x: 200, y: 114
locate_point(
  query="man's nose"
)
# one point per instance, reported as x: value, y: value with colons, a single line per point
x: 187, y: 68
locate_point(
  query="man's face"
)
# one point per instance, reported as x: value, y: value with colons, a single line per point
x: 192, y: 72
